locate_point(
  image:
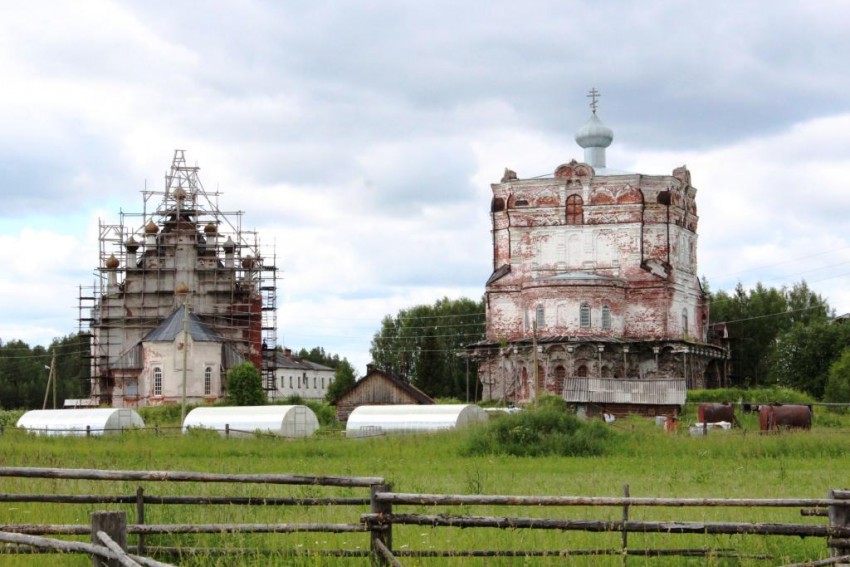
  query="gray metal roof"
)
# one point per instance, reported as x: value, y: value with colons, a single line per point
x: 293, y: 363
x: 625, y: 391
x: 169, y: 329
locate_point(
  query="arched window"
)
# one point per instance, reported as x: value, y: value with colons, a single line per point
x: 581, y: 371
x: 208, y: 381
x: 560, y: 375
x: 541, y: 320
x: 685, y: 321
x: 606, y: 317
x: 157, y: 381
x: 584, y: 315
x: 575, y: 210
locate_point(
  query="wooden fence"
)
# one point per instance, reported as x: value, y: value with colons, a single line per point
x: 388, y: 512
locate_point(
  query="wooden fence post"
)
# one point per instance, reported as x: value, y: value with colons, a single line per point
x: 625, y: 535
x: 839, y: 517
x: 115, y: 526
x: 140, y: 518
x: 382, y: 532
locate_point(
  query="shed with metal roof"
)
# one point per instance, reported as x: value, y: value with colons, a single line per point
x: 283, y: 421
x: 621, y: 396
x: 377, y: 420
x: 88, y: 421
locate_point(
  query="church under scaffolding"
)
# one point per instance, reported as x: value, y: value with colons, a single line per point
x: 180, y: 262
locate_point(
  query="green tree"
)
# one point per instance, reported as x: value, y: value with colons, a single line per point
x: 837, y: 388
x: 319, y: 356
x: 245, y: 386
x: 803, y: 355
x: 425, y: 343
x: 755, y: 318
x: 345, y: 377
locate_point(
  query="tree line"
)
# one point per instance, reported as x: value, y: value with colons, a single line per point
x: 426, y: 345
x: 785, y: 336
x: 24, y: 371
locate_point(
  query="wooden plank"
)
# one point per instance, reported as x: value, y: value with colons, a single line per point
x: 50, y: 544
x: 182, y: 476
x: 516, y: 500
x: 122, y: 557
x: 801, y: 530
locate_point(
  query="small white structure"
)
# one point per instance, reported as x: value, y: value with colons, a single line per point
x: 284, y: 421
x: 366, y: 421
x: 91, y: 421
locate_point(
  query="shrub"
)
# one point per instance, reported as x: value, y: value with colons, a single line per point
x: 538, y: 432
x: 245, y: 386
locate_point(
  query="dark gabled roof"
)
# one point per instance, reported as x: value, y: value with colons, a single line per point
x: 293, y: 363
x: 402, y: 384
x: 172, y: 327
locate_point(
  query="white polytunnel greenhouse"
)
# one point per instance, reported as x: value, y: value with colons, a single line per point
x: 284, y: 421
x: 90, y: 421
x: 377, y: 420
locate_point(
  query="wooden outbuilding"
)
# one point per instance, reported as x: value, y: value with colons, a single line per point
x: 379, y: 387
x: 620, y: 397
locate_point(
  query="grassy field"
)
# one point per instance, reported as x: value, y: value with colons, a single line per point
x: 734, y: 464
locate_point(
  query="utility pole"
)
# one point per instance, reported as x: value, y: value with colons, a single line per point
x: 51, y: 379
x: 534, y: 349
x: 185, y: 358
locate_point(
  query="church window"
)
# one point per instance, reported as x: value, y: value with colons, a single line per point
x: 581, y: 371
x: 685, y: 321
x: 575, y: 210
x: 541, y: 319
x: 521, y: 203
x: 606, y: 317
x: 584, y: 315
x: 208, y: 381
x: 157, y: 381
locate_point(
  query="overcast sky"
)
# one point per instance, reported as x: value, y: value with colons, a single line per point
x: 361, y: 138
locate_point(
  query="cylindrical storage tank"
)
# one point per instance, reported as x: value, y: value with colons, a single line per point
x: 284, y: 421
x: 91, y: 421
x: 376, y: 420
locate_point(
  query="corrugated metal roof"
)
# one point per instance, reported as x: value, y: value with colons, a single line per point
x: 169, y: 329
x: 624, y: 391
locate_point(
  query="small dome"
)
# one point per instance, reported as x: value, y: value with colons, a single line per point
x: 229, y: 246
x: 248, y: 262
x: 181, y: 289
x: 210, y: 228
x: 151, y: 228
x: 131, y: 244
x: 179, y: 193
x: 112, y: 262
x: 594, y: 134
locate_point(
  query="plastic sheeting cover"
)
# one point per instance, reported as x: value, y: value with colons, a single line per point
x: 285, y: 421
x: 99, y: 421
x: 375, y: 420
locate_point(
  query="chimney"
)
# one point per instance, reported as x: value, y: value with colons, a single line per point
x: 287, y: 352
